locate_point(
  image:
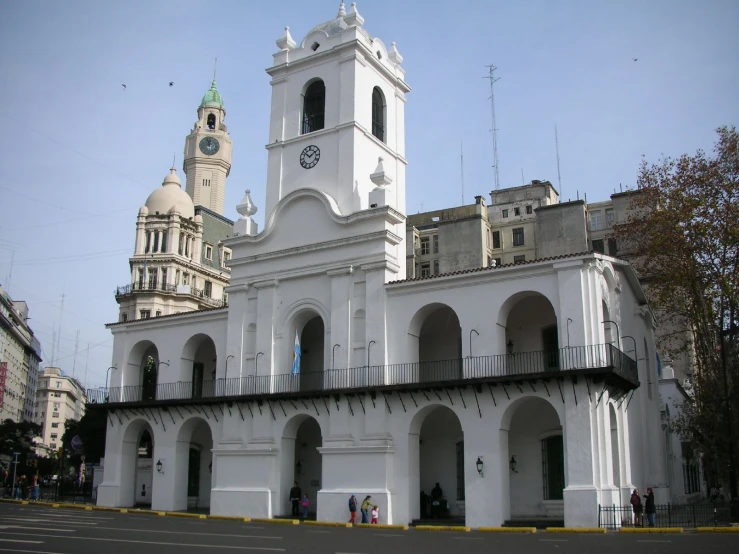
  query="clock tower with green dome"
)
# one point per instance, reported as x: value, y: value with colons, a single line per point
x: 208, y: 147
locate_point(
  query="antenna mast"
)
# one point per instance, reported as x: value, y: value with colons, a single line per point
x: 76, y: 345
x: 556, y: 146
x: 461, y: 163
x: 491, y: 77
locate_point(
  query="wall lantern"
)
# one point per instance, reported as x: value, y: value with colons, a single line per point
x: 510, y: 346
x: 512, y: 464
x: 299, y: 467
x: 160, y: 466
x: 479, y: 464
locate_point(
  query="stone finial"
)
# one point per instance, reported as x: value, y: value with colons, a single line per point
x: 379, y: 177
x: 342, y: 10
x: 245, y: 225
x: 353, y: 18
x: 394, y: 55
x: 285, y: 42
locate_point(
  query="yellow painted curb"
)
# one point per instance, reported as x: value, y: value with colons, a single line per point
x: 106, y: 509
x: 651, y: 530
x: 328, y: 523
x: 506, y: 529
x: 231, y: 518
x: 75, y: 506
x: 270, y: 520
x: 717, y: 529
x: 458, y: 528
x: 149, y: 512
x: 124, y: 511
x: 55, y: 505
x: 381, y: 526
x: 24, y: 502
x: 185, y: 514
x: 592, y: 530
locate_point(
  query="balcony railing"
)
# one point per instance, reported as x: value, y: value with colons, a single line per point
x: 199, y: 294
x: 478, y: 369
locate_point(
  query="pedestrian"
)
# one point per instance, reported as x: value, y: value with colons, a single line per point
x: 352, y: 508
x: 636, y: 506
x: 35, y: 487
x: 295, y: 495
x: 18, y: 488
x: 375, y: 511
x: 7, y: 484
x: 365, y: 508
x: 305, y: 503
x: 436, y: 495
x: 649, y: 507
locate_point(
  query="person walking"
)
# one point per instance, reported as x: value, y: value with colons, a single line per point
x: 305, y: 503
x: 649, y: 507
x: 352, y: 508
x: 365, y: 508
x: 375, y: 512
x: 35, y: 487
x: 637, y: 507
x: 295, y: 494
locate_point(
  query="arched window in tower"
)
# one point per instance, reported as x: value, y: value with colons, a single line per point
x: 314, y: 107
x: 378, y: 114
x: 211, y: 122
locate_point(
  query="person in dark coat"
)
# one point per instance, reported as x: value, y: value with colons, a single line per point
x: 352, y: 508
x: 436, y: 495
x: 295, y: 495
x: 637, y: 507
x: 649, y: 507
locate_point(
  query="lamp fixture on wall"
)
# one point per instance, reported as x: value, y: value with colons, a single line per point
x: 479, y: 464
x: 160, y: 466
x: 512, y: 464
x: 510, y: 346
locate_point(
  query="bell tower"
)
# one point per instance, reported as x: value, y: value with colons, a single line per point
x: 208, y: 148
x: 338, y: 107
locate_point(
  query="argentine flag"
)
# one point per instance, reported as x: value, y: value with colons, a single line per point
x: 296, y: 355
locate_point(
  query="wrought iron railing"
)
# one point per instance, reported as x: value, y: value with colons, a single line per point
x: 699, y: 514
x: 199, y: 294
x: 442, y: 371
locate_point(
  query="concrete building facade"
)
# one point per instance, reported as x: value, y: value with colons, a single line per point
x: 333, y: 367
x: 59, y: 398
x: 20, y: 356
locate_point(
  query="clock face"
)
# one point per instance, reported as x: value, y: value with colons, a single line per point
x: 209, y: 146
x: 309, y: 156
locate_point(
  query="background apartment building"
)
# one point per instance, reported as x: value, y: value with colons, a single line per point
x: 59, y: 399
x: 20, y: 355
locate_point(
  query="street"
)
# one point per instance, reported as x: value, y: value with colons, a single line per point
x: 46, y: 530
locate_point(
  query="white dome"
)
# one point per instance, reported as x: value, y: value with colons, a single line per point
x: 171, y: 196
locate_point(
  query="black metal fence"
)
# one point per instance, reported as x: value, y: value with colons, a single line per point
x: 54, y: 491
x: 698, y: 514
x: 479, y: 367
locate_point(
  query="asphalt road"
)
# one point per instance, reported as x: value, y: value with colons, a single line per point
x: 46, y: 530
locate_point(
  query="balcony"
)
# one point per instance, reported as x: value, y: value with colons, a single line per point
x: 604, y: 362
x: 169, y: 288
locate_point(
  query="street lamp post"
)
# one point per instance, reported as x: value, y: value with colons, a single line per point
x: 107, y: 371
x: 476, y: 333
x: 569, y: 320
x: 333, y: 356
x: 618, y: 343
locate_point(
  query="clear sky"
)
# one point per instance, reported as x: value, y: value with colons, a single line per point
x: 79, y: 155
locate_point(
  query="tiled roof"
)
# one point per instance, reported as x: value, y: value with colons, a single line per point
x: 166, y: 316
x: 480, y: 269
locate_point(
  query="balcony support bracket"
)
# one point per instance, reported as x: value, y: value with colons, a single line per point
x: 314, y: 406
x: 250, y: 412
x: 170, y: 415
x: 574, y: 392
x: 110, y: 419
x: 119, y: 418
x: 303, y: 403
x: 387, y: 404
x: 214, y: 413
x: 588, y: 386
x: 519, y: 387
x: 506, y: 391
x: 161, y: 417
x: 479, y: 411
x: 427, y: 396
x: 240, y: 412
x: 282, y: 408
x: 361, y: 404
x: 546, y: 388
x: 493, y: 397
x: 373, y: 395
x: 349, y: 403
x: 259, y: 405
x: 126, y: 414
x: 325, y: 405
x: 459, y: 390
x: 414, y: 400
x: 337, y: 398
x: 605, y: 387
x: 449, y: 396
x: 559, y: 386
x: 293, y: 405
x: 531, y: 384
x: 271, y: 410
x: 400, y: 396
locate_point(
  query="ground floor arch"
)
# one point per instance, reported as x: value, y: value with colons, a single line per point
x: 436, y: 464
x: 193, y: 465
x: 536, y: 459
x: 137, y: 464
x: 301, y: 463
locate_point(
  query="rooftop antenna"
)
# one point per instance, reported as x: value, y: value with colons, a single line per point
x: 76, y: 344
x: 215, y: 66
x: 59, y: 329
x: 87, y: 359
x: 523, y: 181
x: 556, y: 146
x: 53, y: 343
x: 10, y: 272
x: 491, y: 77
x: 461, y: 164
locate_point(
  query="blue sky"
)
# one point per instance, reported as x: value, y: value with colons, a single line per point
x: 79, y: 155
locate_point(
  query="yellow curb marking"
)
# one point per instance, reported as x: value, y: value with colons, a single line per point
x: 593, y: 530
x: 458, y: 528
x: 328, y: 523
x: 507, y: 529
x: 381, y: 526
x: 282, y: 521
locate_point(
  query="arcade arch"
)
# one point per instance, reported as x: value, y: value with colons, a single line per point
x: 193, y: 465
x: 531, y: 334
x: 308, y: 326
x: 435, y: 336
x: 301, y: 461
x: 140, y: 377
x: 136, y: 461
x: 536, y: 444
x: 436, y: 455
x: 198, y: 366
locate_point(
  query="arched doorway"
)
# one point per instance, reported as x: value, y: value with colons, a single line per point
x: 198, y: 366
x: 301, y: 462
x: 531, y: 334
x: 193, y: 465
x: 140, y: 376
x: 310, y: 331
x: 436, y: 336
x: 535, y: 443
x: 436, y: 457
x: 137, y: 465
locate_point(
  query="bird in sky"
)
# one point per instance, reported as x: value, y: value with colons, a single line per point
x: 636, y: 59
x: 171, y: 83
x: 123, y: 85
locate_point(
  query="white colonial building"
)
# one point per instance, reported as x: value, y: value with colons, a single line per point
x: 506, y: 385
